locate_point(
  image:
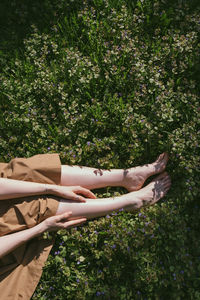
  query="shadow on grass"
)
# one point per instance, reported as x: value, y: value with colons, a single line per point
x: 17, y: 17
x: 173, y: 14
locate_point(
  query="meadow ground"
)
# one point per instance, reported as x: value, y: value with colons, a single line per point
x: 110, y: 84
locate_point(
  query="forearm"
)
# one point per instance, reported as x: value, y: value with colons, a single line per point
x: 9, y: 242
x: 10, y: 189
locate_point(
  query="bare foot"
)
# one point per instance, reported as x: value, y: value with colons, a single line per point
x: 151, y: 193
x: 134, y: 178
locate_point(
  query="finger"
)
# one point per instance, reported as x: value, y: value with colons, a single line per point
x: 73, y: 196
x: 63, y: 216
x: 75, y: 222
x: 79, y: 198
x: 86, y: 192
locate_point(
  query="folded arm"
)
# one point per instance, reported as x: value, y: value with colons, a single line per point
x: 11, y: 189
x: 11, y: 241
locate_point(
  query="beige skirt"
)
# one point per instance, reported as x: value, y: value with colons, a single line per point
x: 20, y: 270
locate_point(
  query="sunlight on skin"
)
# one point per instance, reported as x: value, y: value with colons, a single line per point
x: 132, y: 201
x: 132, y: 179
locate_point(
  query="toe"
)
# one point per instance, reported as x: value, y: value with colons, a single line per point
x: 160, y: 157
x: 167, y: 189
x: 165, y: 157
x: 161, y: 176
x: 161, y: 162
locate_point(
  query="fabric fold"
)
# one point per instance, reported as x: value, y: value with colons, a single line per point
x: 20, y: 270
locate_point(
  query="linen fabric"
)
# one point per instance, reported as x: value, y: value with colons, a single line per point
x: 20, y: 270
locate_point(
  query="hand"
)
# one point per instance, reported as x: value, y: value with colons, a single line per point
x: 61, y: 222
x: 72, y: 192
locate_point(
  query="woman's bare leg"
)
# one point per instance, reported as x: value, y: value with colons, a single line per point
x: 132, y: 179
x: 93, y: 208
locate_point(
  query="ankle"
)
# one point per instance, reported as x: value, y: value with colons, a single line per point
x: 115, y: 177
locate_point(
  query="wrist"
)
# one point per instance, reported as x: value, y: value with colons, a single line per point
x: 48, y: 189
x: 42, y: 227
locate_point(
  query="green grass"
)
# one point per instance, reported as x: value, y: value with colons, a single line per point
x: 124, y: 76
